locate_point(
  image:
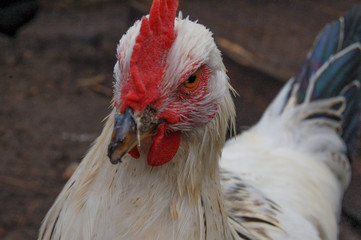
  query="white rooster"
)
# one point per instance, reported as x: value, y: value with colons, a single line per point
x: 170, y: 175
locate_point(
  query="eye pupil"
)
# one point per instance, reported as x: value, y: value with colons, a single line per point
x: 192, y: 78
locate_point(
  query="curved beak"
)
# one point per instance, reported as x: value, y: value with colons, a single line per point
x: 129, y: 129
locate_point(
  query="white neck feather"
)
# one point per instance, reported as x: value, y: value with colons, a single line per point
x: 132, y: 200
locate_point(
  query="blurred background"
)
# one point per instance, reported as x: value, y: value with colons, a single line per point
x: 56, y: 79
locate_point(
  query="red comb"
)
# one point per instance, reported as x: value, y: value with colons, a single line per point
x: 150, y: 51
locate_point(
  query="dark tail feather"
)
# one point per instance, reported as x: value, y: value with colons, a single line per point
x: 333, y: 68
x: 352, y: 26
x: 351, y: 121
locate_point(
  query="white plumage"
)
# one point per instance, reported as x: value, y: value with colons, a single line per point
x: 282, y: 179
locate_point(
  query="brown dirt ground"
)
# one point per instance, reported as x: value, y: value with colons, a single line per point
x: 54, y: 98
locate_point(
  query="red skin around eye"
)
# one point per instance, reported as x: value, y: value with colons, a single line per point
x: 166, y: 143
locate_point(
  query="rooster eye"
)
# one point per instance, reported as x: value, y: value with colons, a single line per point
x: 192, y: 80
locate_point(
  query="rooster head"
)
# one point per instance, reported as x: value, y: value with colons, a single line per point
x: 169, y: 80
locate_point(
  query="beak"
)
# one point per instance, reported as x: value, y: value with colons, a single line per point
x: 129, y: 129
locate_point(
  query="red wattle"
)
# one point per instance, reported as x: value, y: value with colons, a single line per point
x: 164, y: 147
x: 134, y: 152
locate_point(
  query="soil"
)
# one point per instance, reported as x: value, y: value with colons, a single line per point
x: 56, y: 93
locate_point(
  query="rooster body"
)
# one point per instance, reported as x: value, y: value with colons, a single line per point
x: 282, y: 179
x: 174, y: 191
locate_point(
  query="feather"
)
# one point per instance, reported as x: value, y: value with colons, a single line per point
x: 297, y: 154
